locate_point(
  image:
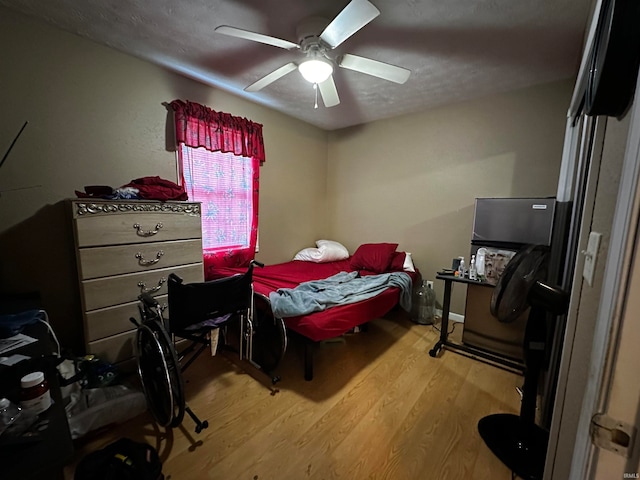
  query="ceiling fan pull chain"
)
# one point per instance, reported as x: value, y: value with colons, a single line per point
x: 315, y: 88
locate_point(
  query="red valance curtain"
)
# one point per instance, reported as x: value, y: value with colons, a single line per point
x: 200, y: 126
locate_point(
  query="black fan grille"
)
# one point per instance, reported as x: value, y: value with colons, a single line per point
x: 509, y: 299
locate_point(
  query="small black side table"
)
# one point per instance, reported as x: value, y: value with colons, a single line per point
x: 445, y: 343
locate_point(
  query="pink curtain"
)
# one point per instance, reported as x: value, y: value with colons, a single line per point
x: 198, y: 126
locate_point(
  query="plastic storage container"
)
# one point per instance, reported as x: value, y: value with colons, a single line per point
x: 35, y: 396
x: 424, y: 304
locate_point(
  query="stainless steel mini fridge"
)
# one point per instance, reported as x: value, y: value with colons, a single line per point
x: 503, y: 224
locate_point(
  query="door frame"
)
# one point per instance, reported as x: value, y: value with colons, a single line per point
x: 614, y: 291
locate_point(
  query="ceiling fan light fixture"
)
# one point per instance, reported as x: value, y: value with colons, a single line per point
x: 315, y: 70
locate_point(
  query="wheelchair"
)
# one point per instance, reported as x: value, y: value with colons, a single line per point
x: 222, y: 309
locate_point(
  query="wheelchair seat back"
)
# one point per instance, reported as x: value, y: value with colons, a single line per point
x: 193, y: 303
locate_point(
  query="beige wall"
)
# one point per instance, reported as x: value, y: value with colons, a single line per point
x: 96, y: 116
x: 413, y: 179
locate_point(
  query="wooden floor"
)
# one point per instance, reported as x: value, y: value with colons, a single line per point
x: 378, y: 407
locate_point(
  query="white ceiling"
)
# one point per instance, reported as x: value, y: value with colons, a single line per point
x: 456, y: 49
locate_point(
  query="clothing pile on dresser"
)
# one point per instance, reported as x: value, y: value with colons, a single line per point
x: 145, y: 188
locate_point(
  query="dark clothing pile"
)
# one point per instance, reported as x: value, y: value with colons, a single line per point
x: 145, y: 188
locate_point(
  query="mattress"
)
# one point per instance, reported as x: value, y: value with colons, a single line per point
x: 330, y: 323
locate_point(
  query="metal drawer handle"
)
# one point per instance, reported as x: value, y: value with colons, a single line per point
x: 146, y: 263
x: 144, y: 289
x: 147, y: 233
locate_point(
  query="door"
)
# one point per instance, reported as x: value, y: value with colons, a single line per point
x: 592, y: 376
x: 620, y: 395
x: 614, y: 395
x: 609, y: 363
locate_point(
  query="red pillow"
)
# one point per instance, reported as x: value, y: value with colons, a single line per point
x: 374, y: 257
x: 397, y: 262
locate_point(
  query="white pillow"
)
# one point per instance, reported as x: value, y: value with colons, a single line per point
x: 309, y: 255
x: 327, y: 251
x: 333, y: 250
x: 408, y: 266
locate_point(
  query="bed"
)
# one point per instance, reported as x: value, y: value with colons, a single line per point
x: 321, y: 263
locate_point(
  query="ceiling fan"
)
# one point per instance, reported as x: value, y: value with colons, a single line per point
x: 317, y: 65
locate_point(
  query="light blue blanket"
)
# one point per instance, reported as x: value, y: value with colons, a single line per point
x: 340, y: 289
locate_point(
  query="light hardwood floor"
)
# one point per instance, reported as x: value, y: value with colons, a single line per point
x: 378, y: 407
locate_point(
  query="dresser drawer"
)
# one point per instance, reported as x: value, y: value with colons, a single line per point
x: 114, y: 349
x: 106, y: 261
x: 113, y: 320
x: 104, y: 292
x: 94, y: 229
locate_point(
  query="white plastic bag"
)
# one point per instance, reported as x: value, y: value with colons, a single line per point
x: 93, y: 408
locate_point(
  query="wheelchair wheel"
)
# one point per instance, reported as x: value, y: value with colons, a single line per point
x: 269, y: 339
x: 159, y: 372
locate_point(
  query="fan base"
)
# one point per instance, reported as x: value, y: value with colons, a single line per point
x: 522, y: 448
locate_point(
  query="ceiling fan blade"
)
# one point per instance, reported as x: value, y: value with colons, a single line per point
x: 256, y: 37
x: 329, y: 92
x: 271, y: 77
x: 374, y: 67
x: 351, y: 19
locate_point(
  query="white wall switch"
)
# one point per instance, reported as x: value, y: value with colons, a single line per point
x: 591, y: 254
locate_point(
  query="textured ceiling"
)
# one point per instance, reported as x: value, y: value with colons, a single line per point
x: 456, y: 49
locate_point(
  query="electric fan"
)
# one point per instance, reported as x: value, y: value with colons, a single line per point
x: 516, y: 440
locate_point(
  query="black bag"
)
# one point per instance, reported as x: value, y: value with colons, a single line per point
x: 123, y: 459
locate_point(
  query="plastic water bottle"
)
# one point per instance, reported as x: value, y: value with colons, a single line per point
x: 480, y: 263
x: 9, y: 413
x: 473, y: 272
x: 461, y: 268
x: 425, y: 302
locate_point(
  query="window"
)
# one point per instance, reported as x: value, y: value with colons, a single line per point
x: 222, y: 182
x: 219, y: 158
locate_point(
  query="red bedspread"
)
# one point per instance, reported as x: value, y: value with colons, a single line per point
x: 329, y: 323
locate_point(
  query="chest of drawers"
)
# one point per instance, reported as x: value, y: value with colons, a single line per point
x: 124, y: 248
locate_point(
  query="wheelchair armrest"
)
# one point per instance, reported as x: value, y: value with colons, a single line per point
x: 148, y: 300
